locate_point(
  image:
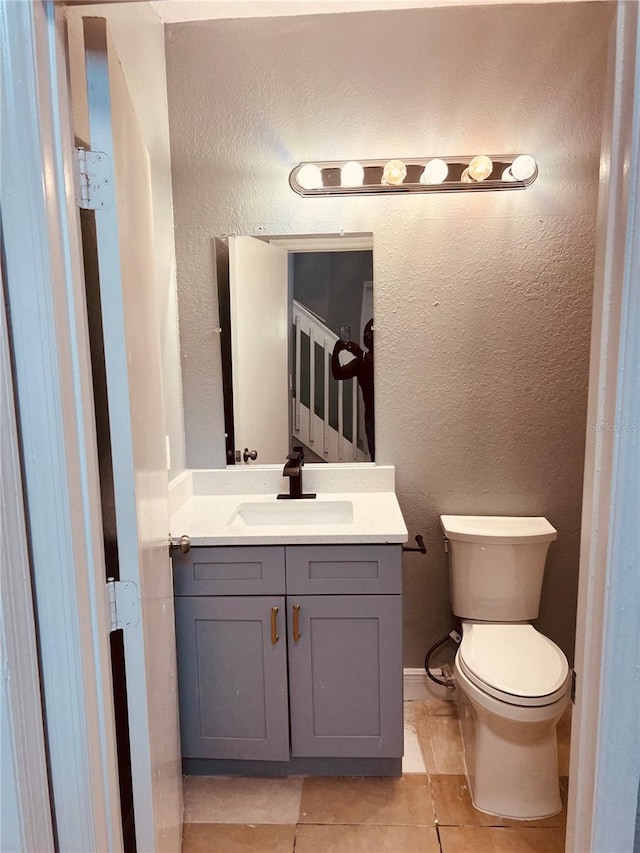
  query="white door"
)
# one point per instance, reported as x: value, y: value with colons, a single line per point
x: 124, y: 233
x: 258, y: 283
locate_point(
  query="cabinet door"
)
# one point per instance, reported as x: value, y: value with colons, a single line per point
x: 232, y: 681
x: 345, y: 675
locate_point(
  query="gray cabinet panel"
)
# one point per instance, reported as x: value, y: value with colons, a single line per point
x: 345, y: 676
x: 232, y: 678
x: 230, y: 571
x: 344, y: 569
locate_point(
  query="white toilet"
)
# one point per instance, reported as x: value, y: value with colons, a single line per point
x: 515, y: 682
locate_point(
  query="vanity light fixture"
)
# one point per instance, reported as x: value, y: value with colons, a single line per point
x: 414, y: 174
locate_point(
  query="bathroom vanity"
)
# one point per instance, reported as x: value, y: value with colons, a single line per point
x: 289, y: 634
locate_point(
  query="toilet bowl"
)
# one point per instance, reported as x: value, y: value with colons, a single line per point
x: 514, y: 682
x: 515, y: 686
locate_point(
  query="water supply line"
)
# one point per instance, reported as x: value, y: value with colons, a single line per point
x: 447, y: 681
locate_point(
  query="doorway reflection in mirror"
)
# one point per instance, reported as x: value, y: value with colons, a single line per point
x: 332, y: 412
x: 360, y: 367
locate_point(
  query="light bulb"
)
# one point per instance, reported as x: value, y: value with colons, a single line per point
x: 466, y: 178
x: 523, y: 167
x: 434, y: 172
x: 394, y: 173
x: 507, y: 176
x: 352, y: 174
x: 480, y: 167
x: 309, y: 177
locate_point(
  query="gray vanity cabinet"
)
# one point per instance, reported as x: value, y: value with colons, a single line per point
x: 318, y: 679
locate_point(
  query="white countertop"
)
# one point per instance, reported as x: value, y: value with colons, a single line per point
x: 208, y: 519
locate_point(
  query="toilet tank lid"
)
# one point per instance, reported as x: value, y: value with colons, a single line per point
x: 497, y: 529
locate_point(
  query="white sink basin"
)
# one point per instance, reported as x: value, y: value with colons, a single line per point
x: 291, y: 513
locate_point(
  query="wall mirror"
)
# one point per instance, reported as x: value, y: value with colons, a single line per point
x: 296, y: 317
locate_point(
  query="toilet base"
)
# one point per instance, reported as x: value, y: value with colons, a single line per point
x: 511, y: 754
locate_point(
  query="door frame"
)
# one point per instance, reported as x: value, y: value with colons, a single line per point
x: 44, y: 288
x: 40, y: 232
x: 24, y: 781
x: 604, y: 774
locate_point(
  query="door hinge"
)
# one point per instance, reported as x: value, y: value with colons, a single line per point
x: 94, y: 185
x: 573, y: 686
x: 123, y: 604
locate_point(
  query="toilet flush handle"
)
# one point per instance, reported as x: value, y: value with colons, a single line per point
x: 422, y: 548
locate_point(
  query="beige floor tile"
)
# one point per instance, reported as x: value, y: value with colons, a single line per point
x: 236, y: 838
x: 412, y: 760
x: 446, y: 743
x: 489, y: 839
x: 440, y: 708
x: 453, y: 806
x: 381, y: 801
x: 424, y: 738
x: 311, y: 838
x: 227, y: 799
x: 439, y: 735
x: 412, y: 710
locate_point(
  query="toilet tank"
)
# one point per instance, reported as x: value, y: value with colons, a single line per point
x: 496, y: 565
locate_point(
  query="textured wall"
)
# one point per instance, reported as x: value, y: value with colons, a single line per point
x: 138, y: 35
x: 482, y: 300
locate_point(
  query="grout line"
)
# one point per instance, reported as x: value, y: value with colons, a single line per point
x: 439, y: 839
x: 433, y: 807
x: 370, y: 825
x: 525, y: 825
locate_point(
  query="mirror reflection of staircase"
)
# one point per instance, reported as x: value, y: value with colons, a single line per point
x: 327, y: 414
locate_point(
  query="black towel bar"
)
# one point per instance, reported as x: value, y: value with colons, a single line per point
x: 421, y: 546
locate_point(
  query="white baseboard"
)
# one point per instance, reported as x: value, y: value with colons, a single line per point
x: 417, y: 687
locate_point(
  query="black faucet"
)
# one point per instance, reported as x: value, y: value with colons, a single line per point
x: 293, y: 470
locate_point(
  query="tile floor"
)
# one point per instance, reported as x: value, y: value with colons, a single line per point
x: 427, y: 810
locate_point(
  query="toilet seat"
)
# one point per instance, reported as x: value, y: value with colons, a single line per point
x: 513, y: 663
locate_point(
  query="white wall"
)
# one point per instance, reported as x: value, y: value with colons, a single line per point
x: 138, y: 35
x: 482, y: 301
